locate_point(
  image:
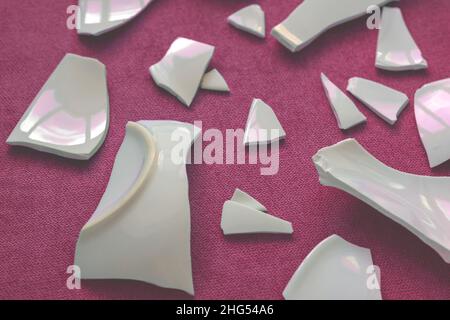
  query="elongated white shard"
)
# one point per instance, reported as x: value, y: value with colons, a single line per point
x: 182, y: 68
x: 262, y: 125
x: 213, y: 80
x: 313, y: 17
x: 335, y: 270
x: 386, y: 102
x: 70, y: 114
x: 345, y: 111
x: 250, y: 19
x: 396, y: 49
x: 421, y: 204
x: 432, y: 110
x: 138, y: 231
x: 95, y: 17
x: 247, y: 200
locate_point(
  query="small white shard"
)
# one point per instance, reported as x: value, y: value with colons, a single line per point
x: 247, y: 200
x: 250, y: 19
x: 213, y: 80
x: 386, y: 102
x: 396, y: 49
x: 345, y: 111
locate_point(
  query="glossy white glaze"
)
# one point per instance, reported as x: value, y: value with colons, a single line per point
x: 250, y: 19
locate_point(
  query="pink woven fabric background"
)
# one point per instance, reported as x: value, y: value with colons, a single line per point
x: 45, y: 199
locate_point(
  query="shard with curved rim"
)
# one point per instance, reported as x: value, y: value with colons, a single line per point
x: 250, y: 19
x: 213, y: 80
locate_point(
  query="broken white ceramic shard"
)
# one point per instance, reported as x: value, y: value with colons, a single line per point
x: 213, y: 80
x: 182, y: 68
x: 421, y: 204
x: 432, y: 110
x: 249, y: 19
x: 345, y: 111
x: 262, y: 125
x: 396, y: 49
x: 313, y: 17
x: 334, y: 270
x: 386, y: 102
x: 247, y: 200
x: 138, y: 231
x: 70, y: 114
x: 95, y: 17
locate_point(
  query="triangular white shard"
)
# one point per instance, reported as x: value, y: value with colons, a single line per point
x: 386, y: 102
x: 335, y: 270
x: 313, y: 17
x: 250, y: 19
x: 262, y: 125
x: 247, y: 200
x: 138, y: 231
x: 213, y: 80
x: 96, y: 17
x: 421, y: 204
x: 432, y: 110
x: 396, y: 49
x: 345, y: 111
x: 70, y: 114
x: 182, y: 68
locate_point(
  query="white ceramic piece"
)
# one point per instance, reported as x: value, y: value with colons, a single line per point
x: 421, y: 204
x: 396, y: 49
x: 386, y: 102
x: 313, y: 17
x: 70, y: 114
x: 250, y: 19
x: 96, y: 17
x: 141, y: 227
x: 334, y: 270
x: 345, y: 111
x: 182, y: 68
x: 262, y: 125
x: 247, y: 200
x: 213, y: 80
x: 432, y: 110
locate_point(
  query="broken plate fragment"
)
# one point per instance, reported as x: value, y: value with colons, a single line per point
x: 182, y: 68
x: 244, y: 214
x: 345, y: 111
x: 70, y: 114
x: 249, y: 19
x: 334, y: 270
x: 386, y: 102
x: 396, y: 49
x: 432, y: 110
x: 262, y: 125
x: 138, y: 231
x: 313, y: 17
x: 213, y: 80
x: 421, y: 204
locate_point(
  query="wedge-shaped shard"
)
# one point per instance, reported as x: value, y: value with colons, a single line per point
x: 432, y: 109
x: 213, y: 80
x: 396, y: 49
x: 250, y: 19
x: 313, y: 17
x: 421, y: 204
x: 386, y: 102
x: 70, y: 115
x: 182, y: 68
x: 96, y: 17
x: 334, y: 270
x: 262, y: 125
x: 138, y: 231
x: 247, y: 200
x: 345, y: 111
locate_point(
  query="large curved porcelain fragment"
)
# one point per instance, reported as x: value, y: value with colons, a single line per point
x: 334, y: 270
x: 141, y: 227
x: 396, y: 48
x: 96, y: 17
x: 421, y: 204
x: 181, y: 70
x: 385, y: 102
x: 345, y: 111
x: 214, y: 81
x: 313, y: 17
x: 432, y: 110
x: 70, y: 114
x: 250, y: 19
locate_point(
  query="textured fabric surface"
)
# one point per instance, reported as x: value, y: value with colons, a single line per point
x: 45, y: 199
